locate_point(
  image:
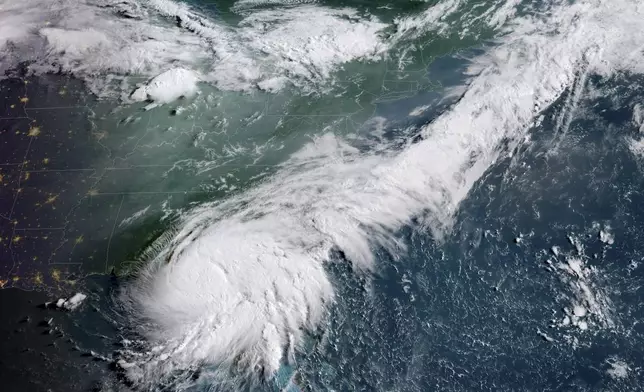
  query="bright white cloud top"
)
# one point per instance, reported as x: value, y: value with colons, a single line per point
x: 102, y: 41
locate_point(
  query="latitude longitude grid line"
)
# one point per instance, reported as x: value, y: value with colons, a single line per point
x: 236, y: 165
x: 38, y: 228
x: 109, y: 241
x: 16, y: 196
x: 192, y: 192
x: 57, y: 107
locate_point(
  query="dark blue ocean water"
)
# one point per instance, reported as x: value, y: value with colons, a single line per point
x: 464, y: 315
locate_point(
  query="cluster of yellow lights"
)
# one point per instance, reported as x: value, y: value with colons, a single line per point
x: 51, y: 199
x: 34, y: 131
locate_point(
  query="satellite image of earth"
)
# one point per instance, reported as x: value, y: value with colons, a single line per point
x: 321, y: 195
